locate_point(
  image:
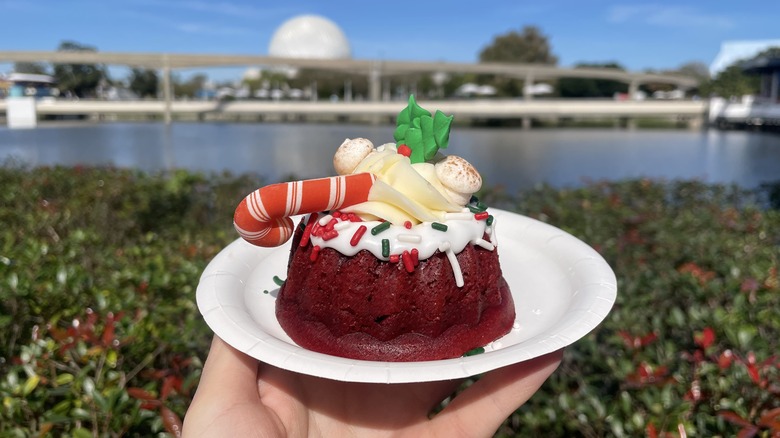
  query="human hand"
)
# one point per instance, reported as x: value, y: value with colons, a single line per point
x: 241, y: 397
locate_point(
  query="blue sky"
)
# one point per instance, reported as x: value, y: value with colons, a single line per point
x: 638, y: 35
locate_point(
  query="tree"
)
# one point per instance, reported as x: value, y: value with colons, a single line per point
x: 695, y: 69
x: 35, y: 68
x: 189, y: 88
x: 528, y: 46
x: 772, y: 52
x: 144, y: 82
x: 732, y: 81
x: 584, y: 87
x: 79, y: 79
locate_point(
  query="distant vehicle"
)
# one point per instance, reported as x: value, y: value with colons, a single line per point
x: 28, y: 85
x: 671, y: 95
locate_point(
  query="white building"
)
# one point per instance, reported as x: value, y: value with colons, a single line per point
x: 733, y: 51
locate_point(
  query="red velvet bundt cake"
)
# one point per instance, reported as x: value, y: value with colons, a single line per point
x: 396, y: 260
x: 364, y: 308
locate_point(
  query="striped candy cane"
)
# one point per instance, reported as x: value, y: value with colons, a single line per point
x: 263, y: 217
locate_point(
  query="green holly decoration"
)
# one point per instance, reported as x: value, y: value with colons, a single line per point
x: 423, y: 134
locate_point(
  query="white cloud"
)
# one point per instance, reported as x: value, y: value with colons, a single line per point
x: 190, y: 27
x: 210, y: 29
x: 668, y: 16
x: 224, y: 8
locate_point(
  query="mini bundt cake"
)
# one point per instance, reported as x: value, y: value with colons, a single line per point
x: 394, y: 259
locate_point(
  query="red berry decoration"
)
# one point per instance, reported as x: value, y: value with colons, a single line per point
x: 404, y: 150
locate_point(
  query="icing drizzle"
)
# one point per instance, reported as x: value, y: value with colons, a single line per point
x: 348, y: 235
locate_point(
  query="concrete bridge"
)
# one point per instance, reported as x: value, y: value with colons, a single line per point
x: 375, y: 71
x: 690, y: 111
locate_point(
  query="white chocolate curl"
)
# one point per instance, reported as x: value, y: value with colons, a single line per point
x: 350, y: 154
x: 459, y: 178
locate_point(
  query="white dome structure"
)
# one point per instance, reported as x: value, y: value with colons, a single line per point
x: 309, y: 36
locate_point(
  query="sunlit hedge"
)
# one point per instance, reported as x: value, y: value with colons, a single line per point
x: 100, y: 335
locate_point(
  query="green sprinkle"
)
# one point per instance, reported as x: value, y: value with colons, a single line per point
x: 385, y: 248
x: 481, y: 205
x: 475, y: 209
x: 474, y: 352
x: 438, y: 226
x: 473, y: 199
x: 278, y: 281
x: 489, y: 220
x: 379, y: 228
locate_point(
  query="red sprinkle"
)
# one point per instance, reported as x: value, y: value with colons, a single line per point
x: 408, y: 263
x: 306, y: 235
x: 354, y: 218
x: 415, y: 256
x: 317, y: 229
x: 408, y: 225
x: 394, y: 258
x: 480, y: 216
x: 329, y: 226
x: 315, y: 251
x: 330, y: 234
x: 405, y: 150
x: 336, y: 214
x: 358, y: 235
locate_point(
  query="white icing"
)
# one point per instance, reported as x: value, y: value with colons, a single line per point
x: 455, y: 267
x: 462, y: 230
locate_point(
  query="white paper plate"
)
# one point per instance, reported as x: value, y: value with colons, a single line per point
x: 562, y: 289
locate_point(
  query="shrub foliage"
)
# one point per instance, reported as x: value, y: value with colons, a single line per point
x: 100, y: 334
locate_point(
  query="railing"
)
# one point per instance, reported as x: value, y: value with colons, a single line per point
x: 477, y: 108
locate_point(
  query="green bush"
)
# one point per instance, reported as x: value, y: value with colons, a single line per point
x: 691, y: 345
x: 100, y: 334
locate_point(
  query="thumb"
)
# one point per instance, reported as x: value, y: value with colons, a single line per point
x: 496, y: 395
x: 230, y: 371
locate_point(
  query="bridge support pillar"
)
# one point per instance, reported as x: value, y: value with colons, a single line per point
x: 528, y: 95
x: 633, y: 89
x: 374, y: 83
x: 167, y: 95
x: 347, y: 90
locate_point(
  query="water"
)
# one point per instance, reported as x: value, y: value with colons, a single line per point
x: 514, y: 158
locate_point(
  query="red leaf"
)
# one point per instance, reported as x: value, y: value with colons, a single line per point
x: 58, y: 334
x: 108, y: 333
x: 705, y: 338
x: 177, y: 384
x: 651, y: 431
x: 151, y: 405
x: 752, y: 370
x: 171, y: 421
x: 140, y: 394
x: 747, y: 432
x: 735, y: 418
x: 635, y: 342
x: 694, y: 394
x: 167, y: 385
x: 770, y: 419
x: 725, y: 359
x: 92, y: 317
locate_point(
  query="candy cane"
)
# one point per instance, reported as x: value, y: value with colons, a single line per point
x: 263, y: 217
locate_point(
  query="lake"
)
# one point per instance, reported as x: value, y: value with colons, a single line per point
x: 514, y: 158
